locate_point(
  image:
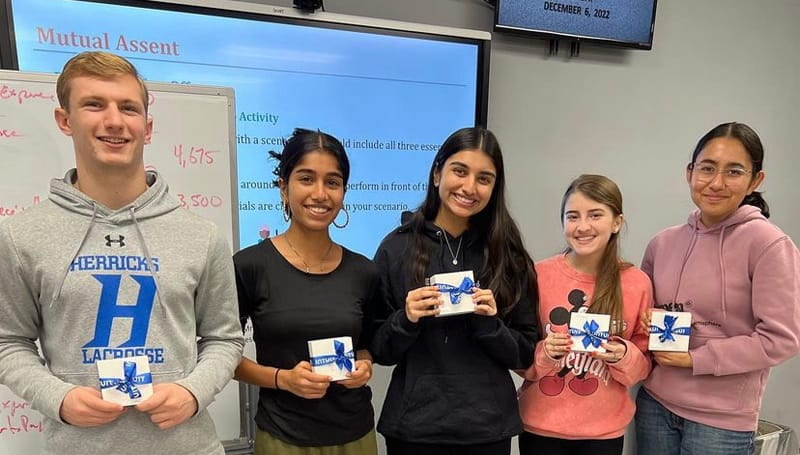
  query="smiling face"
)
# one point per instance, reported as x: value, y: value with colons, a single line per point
x: 719, y: 195
x: 108, y: 123
x: 314, y: 190
x: 465, y: 184
x: 588, y: 227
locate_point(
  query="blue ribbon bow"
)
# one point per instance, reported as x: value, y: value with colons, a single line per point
x: 457, y: 291
x: 590, y: 333
x: 340, y: 358
x: 669, y: 330
x: 128, y: 383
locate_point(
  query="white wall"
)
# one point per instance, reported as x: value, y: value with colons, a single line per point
x: 635, y: 116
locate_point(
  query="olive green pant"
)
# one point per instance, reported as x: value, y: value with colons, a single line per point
x: 266, y: 444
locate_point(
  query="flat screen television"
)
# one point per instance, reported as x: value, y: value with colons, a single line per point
x: 626, y: 23
x: 391, y: 91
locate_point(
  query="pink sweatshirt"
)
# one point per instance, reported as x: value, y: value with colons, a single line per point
x: 740, y: 279
x: 579, y: 397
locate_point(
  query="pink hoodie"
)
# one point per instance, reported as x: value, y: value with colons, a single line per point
x: 740, y: 279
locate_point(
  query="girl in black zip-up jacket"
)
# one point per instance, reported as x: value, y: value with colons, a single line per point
x: 451, y: 391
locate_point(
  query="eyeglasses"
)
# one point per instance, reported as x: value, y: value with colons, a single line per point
x: 706, y: 172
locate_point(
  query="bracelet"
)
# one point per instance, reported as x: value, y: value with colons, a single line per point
x: 276, y: 378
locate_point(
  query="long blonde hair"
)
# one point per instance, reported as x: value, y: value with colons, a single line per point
x: 607, y: 295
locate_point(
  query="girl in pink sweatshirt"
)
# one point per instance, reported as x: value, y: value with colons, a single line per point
x: 739, y: 276
x: 574, y: 402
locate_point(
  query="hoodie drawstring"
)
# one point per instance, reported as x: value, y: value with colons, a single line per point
x: 722, y: 272
x: 153, y: 271
x: 723, y: 277
x: 683, y: 264
x: 439, y: 234
x: 68, y: 266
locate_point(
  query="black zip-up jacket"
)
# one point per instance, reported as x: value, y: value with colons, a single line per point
x: 452, y: 383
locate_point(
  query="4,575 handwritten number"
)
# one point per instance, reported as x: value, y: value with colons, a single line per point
x: 187, y: 156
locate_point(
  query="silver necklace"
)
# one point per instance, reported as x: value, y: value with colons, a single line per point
x: 308, y: 268
x: 458, y: 249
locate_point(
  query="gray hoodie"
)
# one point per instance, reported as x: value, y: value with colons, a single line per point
x: 93, y: 283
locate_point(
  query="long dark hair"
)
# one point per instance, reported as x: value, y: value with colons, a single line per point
x: 505, y: 260
x: 607, y: 294
x: 752, y: 144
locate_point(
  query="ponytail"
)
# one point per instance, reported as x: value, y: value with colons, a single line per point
x: 757, y: 200
x: 607, y: 295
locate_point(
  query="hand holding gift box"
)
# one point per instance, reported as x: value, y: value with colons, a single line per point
x: 670, y: 331
x: 332, y: 357
x: 126, y: 381
x: 456, y: 289
x: 589, y: 331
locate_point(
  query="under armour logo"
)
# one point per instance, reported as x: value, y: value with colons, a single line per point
x: 120, y: 240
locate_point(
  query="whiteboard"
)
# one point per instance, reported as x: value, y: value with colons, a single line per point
x: 193, y: 147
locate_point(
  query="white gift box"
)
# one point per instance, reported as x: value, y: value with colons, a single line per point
x: 332, y: 357
x: 126, y: 381
x: 456, y: 289
x: 588, y: 331
x: 670, y: 331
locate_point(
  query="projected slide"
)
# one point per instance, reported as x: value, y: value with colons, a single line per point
x: 390, y: 99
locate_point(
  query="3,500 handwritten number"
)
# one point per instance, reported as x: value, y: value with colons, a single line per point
x: 198, y: 200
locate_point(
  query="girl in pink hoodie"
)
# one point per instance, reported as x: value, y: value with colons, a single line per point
x: 739, y: 276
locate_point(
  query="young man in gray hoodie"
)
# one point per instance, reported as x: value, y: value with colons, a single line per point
x: 110, y: 266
